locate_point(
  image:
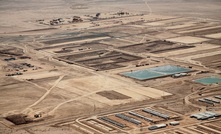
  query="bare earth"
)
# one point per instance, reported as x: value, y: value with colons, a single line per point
x: 62, y: 65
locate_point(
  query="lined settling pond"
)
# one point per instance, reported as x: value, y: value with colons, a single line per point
x: 209, y: 80
x: 156, y: 72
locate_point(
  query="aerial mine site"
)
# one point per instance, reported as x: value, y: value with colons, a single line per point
x: 110, y: 66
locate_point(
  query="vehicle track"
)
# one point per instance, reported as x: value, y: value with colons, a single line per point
x: 45, y: 95
x: 149, y: 8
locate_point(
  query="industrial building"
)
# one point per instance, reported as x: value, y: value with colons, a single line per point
x: 205, y: 115
x: 157, y: 126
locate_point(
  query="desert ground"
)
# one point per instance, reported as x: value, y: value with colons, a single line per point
x: 97, y: 67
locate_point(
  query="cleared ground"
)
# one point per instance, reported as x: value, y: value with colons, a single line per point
x: 64, y: 76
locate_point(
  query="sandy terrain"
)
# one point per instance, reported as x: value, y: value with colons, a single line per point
x: 14, y: 14
x: 38, y: 75
x: 61, y: 63
x: 195, y: 49
x: 215, y: 36
x: 187, y: 39
x: 89, y: 86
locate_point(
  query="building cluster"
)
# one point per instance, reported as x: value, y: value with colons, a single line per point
x: 59, y: 21
x: 56, y: 21
x: 205, y: 115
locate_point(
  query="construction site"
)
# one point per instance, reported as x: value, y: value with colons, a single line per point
x: 119, y: 72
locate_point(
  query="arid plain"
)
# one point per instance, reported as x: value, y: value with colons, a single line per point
x: 111, y: 66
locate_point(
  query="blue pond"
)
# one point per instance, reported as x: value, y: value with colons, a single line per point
x: 209, y: 80
x: 155, y: 72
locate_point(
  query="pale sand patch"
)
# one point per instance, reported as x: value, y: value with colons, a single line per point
x: 38, y: 75
x: 165, y: 22
x: 183, y: 51
x: 215, y: 36
x: 196, y: 30
x: 66, y: 86
x: 187, y: 39
x: 165, y: 35
x: 88, y: 87
x: 93, y: 101
x: 134, y: 95
x: 80, y: 41
x: 154, y: 24
x: 180, y: 26
x: 138, y: 26
x: 203, y: 55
